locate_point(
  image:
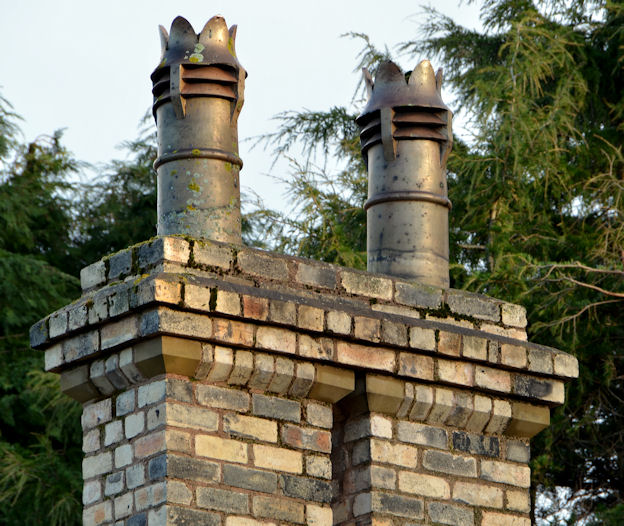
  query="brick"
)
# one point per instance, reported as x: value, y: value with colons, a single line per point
x: 310, y: 318
x: 518, y: 451
x: 128, y: 367
x: 384, y: 394
x: 178, y: 492
x: 149, y: 496
x: 474, y: 347
x: 478, y: 495
x: 77, y: 316
x: 366, y: 285
x: 123, y: 455
x: 332, y: 384
x: 98, y: 513
x: 318, y: 516
x: 319, y: 415
x: 247, y: 478
x: 381, y: 477
x: 178, y: 516
x: 53, y: 357
x: 97, y: 413
x: 316, y: 275
x: 255, y: 308
x: 422, y: 434
x: 81, y: 346
x: 449, y: 463
x: 408, y: 400
x: 134, y: 424
x: 304, y: 438
x: 119, y: 332
x: 91, y: 441
x: 261, y: 264
x: 282, y: 312
x: 416, y: 366
x: 222, y: 365
x: 444, y: 513
x: 250, y: 427
x: 91, y: 492
x: 278, y: 408
x: 97, y: 465
x: 506, y: 473
x: 135, y: 476
x: 397, y: 454
x: 518, y: 500
x: 492, y: 379
x: 277, y: 459
x: 235, y: 332
x: 424, y: 485
x: 113, y: 432
x: 180, y: 390
x: 499, y: 519
x: 362, y: 355
x: 123, y: 505
x: 397, y: 505
x: 191, y: 468
x: 222, y: 398
x: 124, y: 403
x: 162, y: 320
x: 566, y: 365
x: 480, y: 415
x: 76, y: 384
x: 209, y: 254
x: 178, y: 440
x: 513, y: 356
x: 476, y: 444
x: 38, y: 333
x: 514, y: 315
x: 244, y: 521
x: 93, y: 275
x: 368, y: 329
x: 540, y: 361
x: 242, y: 369
x: 113, y: 372
x: 423, y: 402
x: 418, y: 295
x: 461, y: 411
x: 148, y: 445
x: 443, y: 405
x: 283, y: 376
x: 221, y: 448
x: 151, y: 393
x: 501, y: 416
x: 157, y: 467
x: 155, y: 290
x: 222, y: 500
x: 227, y: 302
x: 538, y: 388
x: 276, y: 339
x: 493, y: 351
x: 264, y: 369
x: 114, y: 483
x: 393, y: 333
x: 97, y: 375
x: 58, y: 323
x: 118, y: 301
x: 306, y: 488
x: 362, y: 504
x: 473, y: 305
x: 302, y: 381
x: 279, y: 509
x: 338, y: 322
x: 137, y: 520
x: 318, y: 466
x: 453, y: 372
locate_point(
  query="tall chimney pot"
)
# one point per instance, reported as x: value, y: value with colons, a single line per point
x: 406, y: 139
x: 198, y: 95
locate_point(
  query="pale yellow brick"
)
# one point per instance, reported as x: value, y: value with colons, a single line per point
x: 424, y: 485
x: 278, y: 459
x: 454, y: 372
x: 397, y: 454
x: 513, y: 355
x: 506, y: 473
x: 318, y: 516
x: 222, y: 364
x: 250, y: 427
x: 518, y: 500
x: 228, y: 303
x: 490, y: 518
x: 478, y: 495
x: 221, y: 448
x: 178, y: 440
x: 338, y: 322
x: 422, y: 338
x: 493, y: 379
x: 474, y: 347
x: 501, y: 416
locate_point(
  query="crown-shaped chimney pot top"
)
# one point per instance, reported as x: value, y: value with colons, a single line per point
x: 215, y: 44
x: 391, y: 89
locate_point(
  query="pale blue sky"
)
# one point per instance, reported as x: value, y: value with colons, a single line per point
x: 85, y: 65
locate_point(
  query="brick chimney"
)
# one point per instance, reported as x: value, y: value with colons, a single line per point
x: 228, y: 386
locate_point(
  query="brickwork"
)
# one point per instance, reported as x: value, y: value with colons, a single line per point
x: 227, y: 386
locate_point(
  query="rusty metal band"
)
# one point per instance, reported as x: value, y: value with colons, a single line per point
x: 408, y: 195
x: 199, y: 153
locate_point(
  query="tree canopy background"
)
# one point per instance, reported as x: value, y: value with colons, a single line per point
x: 538, y: 199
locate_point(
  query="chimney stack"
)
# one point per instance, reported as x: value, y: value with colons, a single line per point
x: 198, y: 94
x: 406, y: 139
